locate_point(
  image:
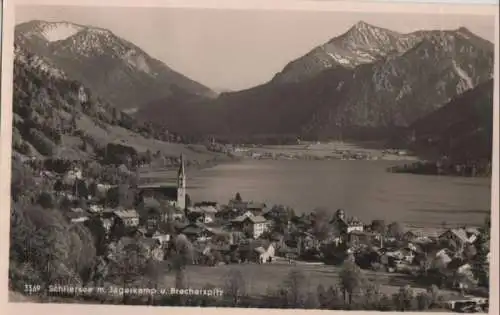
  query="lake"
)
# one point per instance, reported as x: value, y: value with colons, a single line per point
x: 362, y: 188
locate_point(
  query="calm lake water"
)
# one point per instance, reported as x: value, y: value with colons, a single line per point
x: 362, y: 188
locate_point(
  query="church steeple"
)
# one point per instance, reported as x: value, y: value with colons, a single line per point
x: 181, y: 173
x: 181, y: 185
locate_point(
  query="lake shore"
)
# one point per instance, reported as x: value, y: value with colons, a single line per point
x: 325, y: 151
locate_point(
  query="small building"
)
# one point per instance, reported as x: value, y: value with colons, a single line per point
x: 409, y: 236
x: 151, y: 213
x: 265, y: 255
x: 459, y: 236
x: 161, y: 237
x: 95, y: 208
x: 129, y: 218
x: 197, y: 232
x: 252, y: 225
x: 202, y: 214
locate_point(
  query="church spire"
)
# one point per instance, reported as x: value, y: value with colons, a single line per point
x: 181, y: 185
x: 181, y: 172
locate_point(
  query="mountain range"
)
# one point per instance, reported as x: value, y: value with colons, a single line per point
x: 112, y: 67
x: 369, y: 83
x: 363, y: 84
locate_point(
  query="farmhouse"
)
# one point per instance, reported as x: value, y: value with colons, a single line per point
x: 252, y: 225
x: 129, y: 218
x: 460, y: 236
x: 197, y: 232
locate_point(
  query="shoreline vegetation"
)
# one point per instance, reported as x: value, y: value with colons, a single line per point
x: 443, y: 168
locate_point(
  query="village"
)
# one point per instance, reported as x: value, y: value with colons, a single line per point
x: 249, y: 232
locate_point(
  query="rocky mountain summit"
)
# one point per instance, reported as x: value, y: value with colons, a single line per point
x: 112, y: 67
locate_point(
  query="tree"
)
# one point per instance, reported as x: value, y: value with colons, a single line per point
x: 65, y: 204
x: 424, y: 301
x: 84, y: 250
x: 311, y: 301
x: 45, y: 200
x: 48, y: 247
x: 128, y: 265
x: 81, y: 188
x: 379, y: 226
x: 98, y: 232
x: 371, y: 294
x: 469, y: 252
x: 321, y: 223
x: 403, y: 299
x: 183, y: 256
x: 235, y: 286
x: 58, y: 185
x: 395, y: 230
x: 351, y: 279
x: 281, y: 215
x: 237, y: 197
x: 294, y: 286
x: 480, y: 265
x: 188, y: 201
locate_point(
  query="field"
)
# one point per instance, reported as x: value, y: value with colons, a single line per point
x: 258, y: 278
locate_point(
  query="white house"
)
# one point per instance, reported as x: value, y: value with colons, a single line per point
x: 129, y: 217
x: 266, y: 255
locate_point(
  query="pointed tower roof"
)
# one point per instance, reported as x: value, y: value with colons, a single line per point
x: 181, y: 171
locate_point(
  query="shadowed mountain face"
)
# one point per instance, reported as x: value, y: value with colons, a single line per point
x: 365, y: 84
x: 461, y: 130
x: 113, y: 68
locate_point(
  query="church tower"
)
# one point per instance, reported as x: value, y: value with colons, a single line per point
x: 181, y: 185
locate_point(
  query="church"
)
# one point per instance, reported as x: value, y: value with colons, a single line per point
x: 174, y: 194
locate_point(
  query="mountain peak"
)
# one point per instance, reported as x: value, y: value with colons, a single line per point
x: 364, y: 27
x: 54, y: 31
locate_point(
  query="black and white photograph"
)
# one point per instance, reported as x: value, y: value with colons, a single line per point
x: 326, y: 159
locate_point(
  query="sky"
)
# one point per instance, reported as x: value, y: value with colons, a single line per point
x: 236, y: 49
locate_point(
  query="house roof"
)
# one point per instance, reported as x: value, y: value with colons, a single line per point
x: 240, y: 218
x: 255, y: 205
x: 354, y: 222
x: 472, y: 230
x: 260, y: 250
x: 77, y: 215
x: 257, y: 219
x: 195, y: 228
x: 130, y: 213
x: 206, y: 203
x: 209, y: 209
x: 459, y: 233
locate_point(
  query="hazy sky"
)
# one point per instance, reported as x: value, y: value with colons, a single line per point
x: 236, y: 49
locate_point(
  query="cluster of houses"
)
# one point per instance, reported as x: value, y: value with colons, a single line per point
x: 243, y: 231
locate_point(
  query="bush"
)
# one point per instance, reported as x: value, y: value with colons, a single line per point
x: 41, y: 143
x: 45, y: 200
